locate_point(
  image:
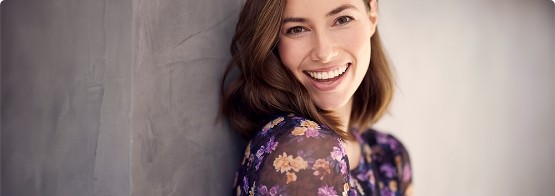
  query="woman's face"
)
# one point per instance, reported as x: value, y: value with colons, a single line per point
x: 326, y: 45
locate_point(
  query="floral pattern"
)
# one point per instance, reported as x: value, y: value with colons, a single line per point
x: 292, y: 155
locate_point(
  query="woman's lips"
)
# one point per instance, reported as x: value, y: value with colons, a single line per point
x: 323, y: 75
x: 328, y: 80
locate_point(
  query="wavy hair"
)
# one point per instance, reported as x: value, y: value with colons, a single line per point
x: 256, y: 85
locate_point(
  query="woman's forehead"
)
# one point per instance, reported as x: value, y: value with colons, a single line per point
x: 317, y: 8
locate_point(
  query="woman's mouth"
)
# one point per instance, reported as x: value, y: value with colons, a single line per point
x: 328, y: 75
x: 327, y: 80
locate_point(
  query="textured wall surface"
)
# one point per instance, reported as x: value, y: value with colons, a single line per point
x: 69, y: 86
x: 100, y: 100
x: 66, y: 81
x: 180, y: 49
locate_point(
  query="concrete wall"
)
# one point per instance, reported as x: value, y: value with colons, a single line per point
x: 66, y: 81
x: 115, y: 97
x: 180, y: 49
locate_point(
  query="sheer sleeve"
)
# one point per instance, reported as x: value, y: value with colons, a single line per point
x: 305, y: 159
x: 402, y: 161
x: 392, y: 159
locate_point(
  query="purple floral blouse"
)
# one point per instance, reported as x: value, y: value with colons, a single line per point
x: 293, y: 155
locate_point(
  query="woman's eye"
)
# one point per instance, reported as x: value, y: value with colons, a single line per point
x: 343, y: 20
x: 295, y: 30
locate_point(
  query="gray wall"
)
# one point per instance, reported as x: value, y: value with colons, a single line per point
x: 66, y: 81
x: 115, y: 97
x: 179, y: 51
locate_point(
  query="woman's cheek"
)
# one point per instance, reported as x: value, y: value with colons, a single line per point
x: 356, y: 40
x: 290, y: 52
x: 284, y: 53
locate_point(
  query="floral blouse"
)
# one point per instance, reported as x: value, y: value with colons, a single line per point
x: 293, y: 155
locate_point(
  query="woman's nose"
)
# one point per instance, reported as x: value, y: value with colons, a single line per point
x: 324, y: 49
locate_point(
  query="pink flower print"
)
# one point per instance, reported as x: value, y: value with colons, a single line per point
x: 343, y: 167
x: 245, y: 184
x: 260, y: 152
x: 326, y: 191
x: 339, y: 140
x: 336, y: 154
x: 263, y: 190
x: 273, y: 191
x: 312, y: 133
x: 271, y: 145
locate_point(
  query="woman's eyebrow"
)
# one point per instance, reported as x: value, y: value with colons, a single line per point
x: 340, y: 9
x: 331, y: 13
x: 294, y: 19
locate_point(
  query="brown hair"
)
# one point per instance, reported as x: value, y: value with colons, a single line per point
x: 261, y: 85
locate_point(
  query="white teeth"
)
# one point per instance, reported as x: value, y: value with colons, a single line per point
x: 328, y: 74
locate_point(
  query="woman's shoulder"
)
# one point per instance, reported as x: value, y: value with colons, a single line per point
x: 290, y: 125
x: 292, y: 133
x: 294, y: 155
x: 382, y: 141
x: 390, y: 156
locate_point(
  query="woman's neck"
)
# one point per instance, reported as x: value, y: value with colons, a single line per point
x: 344, y: 115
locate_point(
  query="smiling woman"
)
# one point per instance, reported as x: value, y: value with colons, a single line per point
x: 312, y: 79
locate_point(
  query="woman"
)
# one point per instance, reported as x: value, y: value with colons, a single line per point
x: 311, y: 78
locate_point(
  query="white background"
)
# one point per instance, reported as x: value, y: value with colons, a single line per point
x: 476, y: 92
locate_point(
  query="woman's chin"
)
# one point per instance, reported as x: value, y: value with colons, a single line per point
x: 335, y: 102
x: 330, y: 106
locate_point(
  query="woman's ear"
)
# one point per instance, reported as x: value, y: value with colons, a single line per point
x: 373, y: 14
